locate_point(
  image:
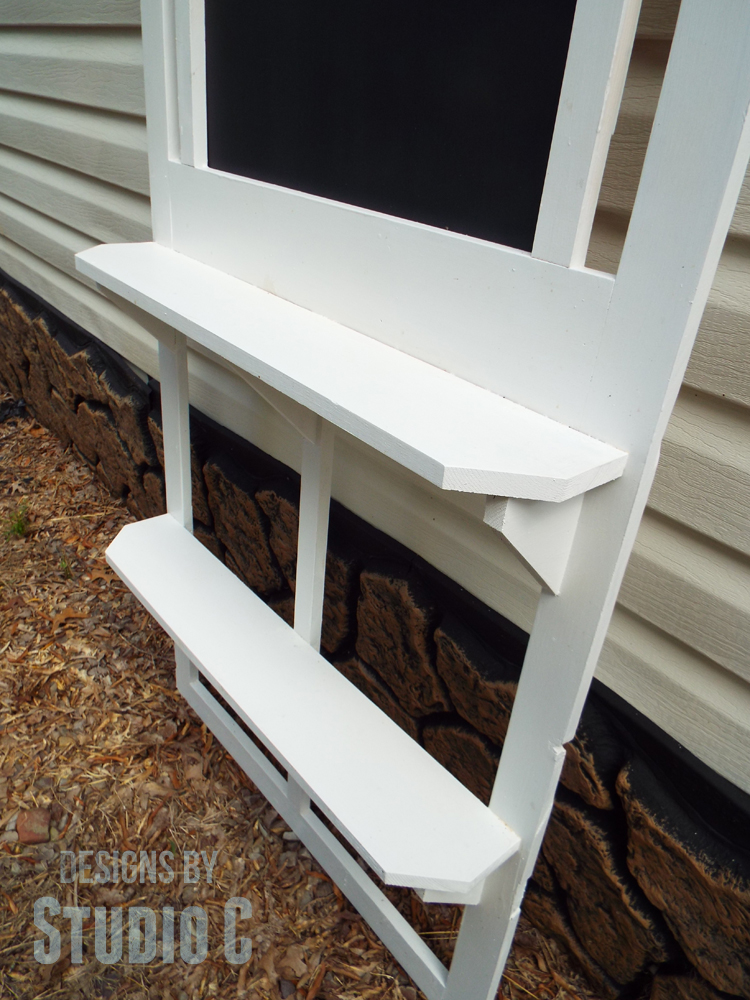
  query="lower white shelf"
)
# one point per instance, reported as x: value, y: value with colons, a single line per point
x: 411, y: 820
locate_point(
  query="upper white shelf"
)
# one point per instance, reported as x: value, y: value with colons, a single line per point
x: 448, y: 431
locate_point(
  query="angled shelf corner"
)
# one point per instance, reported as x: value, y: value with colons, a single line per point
x: 411, y: 820
x: 450, y: 432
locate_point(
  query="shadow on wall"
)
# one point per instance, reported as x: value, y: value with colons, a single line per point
x: 645, y: 869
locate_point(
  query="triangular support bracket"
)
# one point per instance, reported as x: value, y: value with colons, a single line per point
x: 540, y: 533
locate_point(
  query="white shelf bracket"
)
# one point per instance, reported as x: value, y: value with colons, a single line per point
x: 175, y: 408
x: 472, y: 898
x: 304, y: 421
x: 539, y: 532
x: 314, y: 504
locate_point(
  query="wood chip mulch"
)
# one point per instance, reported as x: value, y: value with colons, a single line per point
x: 95, y: 737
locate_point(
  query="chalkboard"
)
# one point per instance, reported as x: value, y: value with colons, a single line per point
x: 438, y: 112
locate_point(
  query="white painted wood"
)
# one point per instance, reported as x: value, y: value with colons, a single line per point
x: 160, y: 82
x: 186, y: 672
x: 299, y: 417
x: 402, y: 940
x: 541, y: 534
x: 100, y: 210
x: 100, y: 67
x: 443, y: 527
x: 472, y: 898
x: 176, y: 427
x: 630, y: 140
x: 66, y: 12
x: 452, y: 537
x: 190, y: 45
x: 312, y: 545
x: 508, y: 877
x: 600, y: 46
x: 410, y: 819
x: 451, y: 432
x: 691, y: 180
x: 95, y: 142
x: 407, y: 285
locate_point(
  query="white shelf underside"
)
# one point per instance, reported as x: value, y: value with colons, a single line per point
x: 450, y: 432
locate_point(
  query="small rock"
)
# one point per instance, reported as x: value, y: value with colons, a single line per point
x: 290, y: 835
x: 287, y: 989
x: 409, y: 993
x: 8, y: 837
x: 11, y: 824
x: 190, y: 894
x: 45, y: 854
x: 269, y: 816
x: 33, y: 826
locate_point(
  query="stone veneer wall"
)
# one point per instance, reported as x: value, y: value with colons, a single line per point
x: 645, y: 869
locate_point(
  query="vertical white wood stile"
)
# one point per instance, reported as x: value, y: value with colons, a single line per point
x: 312, y: 544
x: 160, y: 77
x: 690, y: 183
x: 175, y: 416
x: 190, y: 58
x: 601, y: 42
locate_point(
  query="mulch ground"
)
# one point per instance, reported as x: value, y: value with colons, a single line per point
x: 94, y: 736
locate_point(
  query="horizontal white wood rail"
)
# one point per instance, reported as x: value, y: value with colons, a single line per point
x: 452, y: 433
x: 411, y: 820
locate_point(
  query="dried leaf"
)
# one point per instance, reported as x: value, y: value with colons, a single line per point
x: 292, y: 963
x: 67, y: 614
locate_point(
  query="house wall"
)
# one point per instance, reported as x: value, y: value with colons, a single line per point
x: 73, y: 172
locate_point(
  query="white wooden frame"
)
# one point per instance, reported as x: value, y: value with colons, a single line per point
x: 407, y: 284
x: 603, y: 355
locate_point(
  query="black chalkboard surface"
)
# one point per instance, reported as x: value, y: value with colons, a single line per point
x: 438, y: 111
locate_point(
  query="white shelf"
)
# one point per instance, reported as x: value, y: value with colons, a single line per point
x: 413, y: 822
x: 448, y: 431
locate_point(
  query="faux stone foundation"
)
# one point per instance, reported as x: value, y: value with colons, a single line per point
x: 644, y: 872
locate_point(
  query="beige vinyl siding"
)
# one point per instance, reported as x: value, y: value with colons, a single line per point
x: 70, y: 12
x: 679, y: 644
x: 73, y: 171
x: 73, y: 161
x: 702, y: 705
x: 96, y: 67
x: 92, y: 141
